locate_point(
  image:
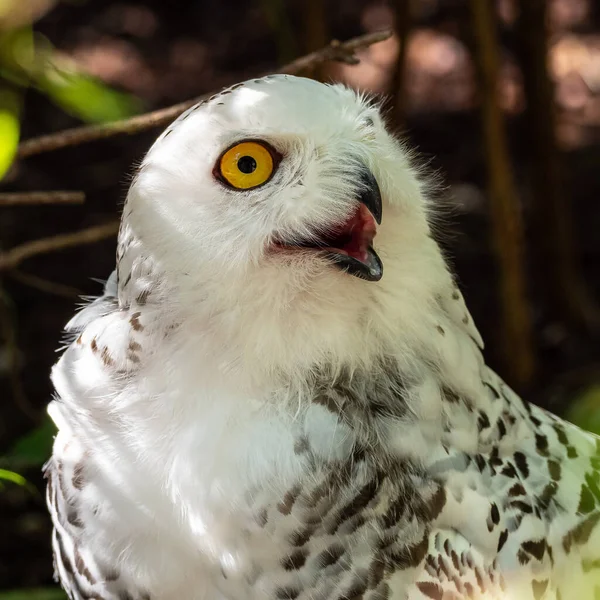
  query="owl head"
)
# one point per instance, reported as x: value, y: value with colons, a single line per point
x: 286, y: 193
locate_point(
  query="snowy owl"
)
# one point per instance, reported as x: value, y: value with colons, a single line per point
x: 281, y: 393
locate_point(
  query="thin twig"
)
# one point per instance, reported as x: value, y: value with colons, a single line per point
x: 336, y: 51
x: 555, y: 250
x: 15, y: 256
x: 90, y: 133
x: 44, y: 285
x: 29, y: 198
x: 506, y: 217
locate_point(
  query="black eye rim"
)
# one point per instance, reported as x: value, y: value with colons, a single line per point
x: 275, y: 155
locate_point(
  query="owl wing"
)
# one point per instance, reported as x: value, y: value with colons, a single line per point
x: 107, y: 342
x: 74, y: 567
x: 454, y: 569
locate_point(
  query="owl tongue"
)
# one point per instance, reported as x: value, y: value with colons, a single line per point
x: 355, y: 237
x: 350, y: 245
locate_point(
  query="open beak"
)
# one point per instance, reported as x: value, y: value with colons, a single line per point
x: 353, y: 250
x: 349, y: 245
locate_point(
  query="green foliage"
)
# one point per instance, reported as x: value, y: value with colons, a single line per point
x: 85, y: 97
x: 9, y: 128
x: 34, y: 594
x: 33, y: 449
x: 28, y: 60
x: 11, y: 476
x: 30, y: 451
x: 585, y: 409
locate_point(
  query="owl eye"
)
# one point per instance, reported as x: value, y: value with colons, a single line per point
x: 246, y: 165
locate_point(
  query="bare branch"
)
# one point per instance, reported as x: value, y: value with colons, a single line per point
x: 15, y: 256
x: 505, y: 209
x: 44, y: 285
x: 315, y: 34
x: 90, y: 133
x: 336, y: 51
x: 29, y: 198
x: 556, y: 246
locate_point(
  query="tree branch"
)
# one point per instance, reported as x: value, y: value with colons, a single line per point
x: 29, y: 198
x: 15, y: 256
x: 335, y: 51
x: 555, y: 250
x: 44, y: 285
x: 315, y: 34
x: 506, y: 217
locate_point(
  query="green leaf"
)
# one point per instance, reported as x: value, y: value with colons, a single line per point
x: 29, y: 59
x: 9, y: 128
x: 86, y: 97
x: 585, y: 409
x: 54, y: 593
x: 34, y: 448
x: 11, y: 476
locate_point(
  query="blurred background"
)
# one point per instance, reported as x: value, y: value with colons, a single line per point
x: 500, y: 97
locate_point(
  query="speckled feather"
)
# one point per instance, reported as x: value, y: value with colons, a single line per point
x: 238, y: 425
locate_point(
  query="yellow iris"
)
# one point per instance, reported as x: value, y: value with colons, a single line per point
x: 246, y: 165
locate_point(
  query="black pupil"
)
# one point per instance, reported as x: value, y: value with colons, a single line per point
x: 246, y: 164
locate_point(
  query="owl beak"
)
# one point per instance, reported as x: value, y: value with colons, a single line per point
x: 349, y: 245
x: 370, y: 195
x: 357, y: 256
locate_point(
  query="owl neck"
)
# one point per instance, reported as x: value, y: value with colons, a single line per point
x: 412, y: 399
x: 265, y: 332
